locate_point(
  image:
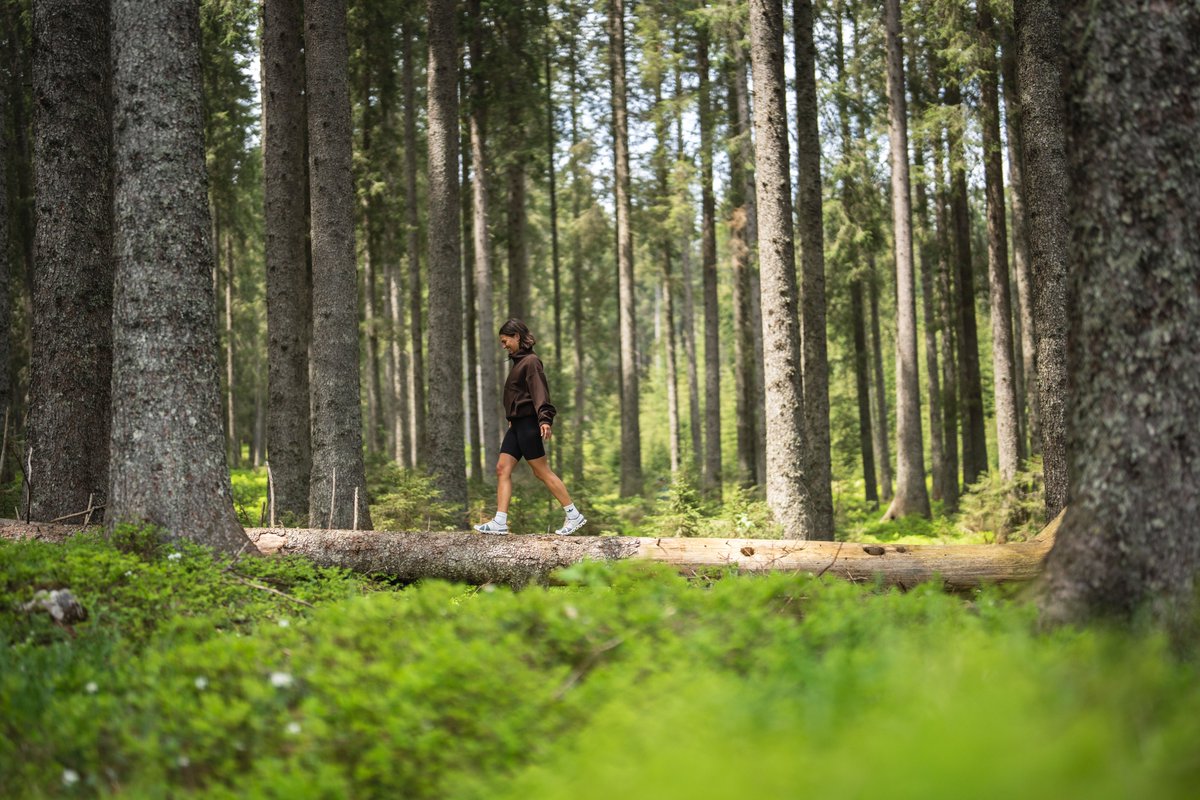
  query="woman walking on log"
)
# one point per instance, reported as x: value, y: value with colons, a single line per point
x: 530, y: 416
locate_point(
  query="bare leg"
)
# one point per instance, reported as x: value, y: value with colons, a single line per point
x: 541, y: 468
x: 504, y: 468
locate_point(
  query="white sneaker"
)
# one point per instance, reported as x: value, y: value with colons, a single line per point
x: 492, y: 527
x: 571, y: 525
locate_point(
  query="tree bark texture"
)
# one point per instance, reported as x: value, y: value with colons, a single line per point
x: 412, y: 249
x: 446, y: 460
x: 289, y: 291
x: 631, y: 446
x: 814, y: 355
x: 1027, y: 398
x: 233, y: 444
x: 1129, y: 539
x: 71, y: 363
x: 661, y: 160
x: 6, y: 334
x: 167, y: 457
x: 472, y: 415
x: 576, y: 275
x: 789, y: 493
x: 518, y: 252
x: 337, y: 441
x: 711, y: 479
x: 1008, y: 435
x: 695, y: 429
x: 911, y: 496
x: 521, y: 560
x: 1039, y: 75
x: 489, y: 380
x: 947, y: 316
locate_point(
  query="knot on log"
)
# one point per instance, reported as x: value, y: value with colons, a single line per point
x: 873, y: 550
x: 747, y: 551
x: 60, y: 604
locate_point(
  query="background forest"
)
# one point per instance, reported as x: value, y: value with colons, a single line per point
x: 535, y: 93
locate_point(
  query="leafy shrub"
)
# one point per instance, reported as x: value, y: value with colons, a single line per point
x: 250, y: 493
x: 1006, y: 510
x: 407, y: 500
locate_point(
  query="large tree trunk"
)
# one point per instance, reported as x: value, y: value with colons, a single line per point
x: 911, y: 497
x: 489, y: 392
x: 289, y: 295
x: 815, y: 370
x: 974, y: 434
x: 631, y: 445
x: 711, y: 479
x: 167, y: 464
x: 520, y: 560
x: 337, y: 462
x: 445, y: 446
x: 1039, y: 57
x: 71, y: 364
x: 1027, y: 394
x: 789, y: 493
x: 412, y: 248
x: 1129, y: 542
x: 1008, y: 435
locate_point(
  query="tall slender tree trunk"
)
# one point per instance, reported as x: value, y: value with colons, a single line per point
x: 1040, y: 67
x: 6, y: 393
x: 370, y: 262
x: 708, y: 273
x: 689, y: 305
x: 1027, y: 396
x: 71, y: 364
x: 289, y: 293
x: 337, y: 460
x: 518, y: 252
x: 974, y: 436
x: 412, y: 249
x: 862, y: 358
x: 167, y: 464
x: 788, y: 488
x: 882, y: 447
x: 663, y: 179
x: 231, y: 431
x: 445, y: 290
x: 815, y: 371
x: 556, y: 364
x: 1008, y: 435
x: 576, y: 276
x: 1128, y: 542
x: 741, y: 155
x: 489, y: 381
x: 631, y: 446
x: 471, y: 333
x: 946, y: 315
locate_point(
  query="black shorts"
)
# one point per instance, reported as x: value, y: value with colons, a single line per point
x: 524, y: 439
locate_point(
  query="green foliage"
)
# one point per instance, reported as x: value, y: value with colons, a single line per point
x: 249, y: 495
x: 186, y: 683
x: 1005, y: 511
x: 406, y: 500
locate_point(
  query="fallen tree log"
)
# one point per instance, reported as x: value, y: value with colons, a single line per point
x: 517, y: 560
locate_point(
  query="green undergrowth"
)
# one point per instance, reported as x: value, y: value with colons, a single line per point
x: 625, y: 680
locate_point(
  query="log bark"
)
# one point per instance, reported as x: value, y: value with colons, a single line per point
x: 519, y: 560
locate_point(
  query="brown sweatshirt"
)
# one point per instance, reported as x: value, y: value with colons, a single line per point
x: 525, y: 391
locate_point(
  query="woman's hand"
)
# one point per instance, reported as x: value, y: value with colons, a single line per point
x: 546, y: 431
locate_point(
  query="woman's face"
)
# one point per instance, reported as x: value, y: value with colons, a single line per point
x: 510, y: 343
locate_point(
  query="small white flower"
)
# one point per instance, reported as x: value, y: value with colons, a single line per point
x: 293, y: 728
x: 128, y: 573
x: 283, y: 623
x: 91, y: 687
x: 202, y: 683
x: 70, y: 777
x: 175, y: 556
x: 281, y: 680
x: 183, y: 761
x: 571, y: 612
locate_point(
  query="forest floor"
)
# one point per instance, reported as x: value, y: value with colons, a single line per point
x: 188, y: 681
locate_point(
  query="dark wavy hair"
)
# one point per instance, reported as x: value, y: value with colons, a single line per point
x: 515, y: 327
